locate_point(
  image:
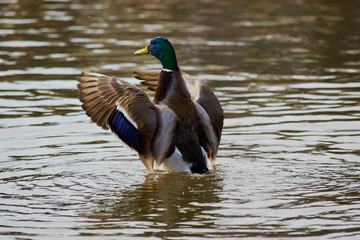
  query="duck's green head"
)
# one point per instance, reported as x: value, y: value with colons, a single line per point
x: 162, y: 49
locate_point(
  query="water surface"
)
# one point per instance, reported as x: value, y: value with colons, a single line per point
x: 286, y: 73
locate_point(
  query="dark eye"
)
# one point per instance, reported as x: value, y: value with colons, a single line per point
x: 152, y: 42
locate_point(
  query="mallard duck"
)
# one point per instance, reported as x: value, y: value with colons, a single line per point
x: 181, y: 128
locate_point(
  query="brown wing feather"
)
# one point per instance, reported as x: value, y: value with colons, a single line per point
x: 150, y: 78
x: 101, y: 95
x: 211, y: 104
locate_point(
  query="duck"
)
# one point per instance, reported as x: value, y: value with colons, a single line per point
x: 179, y: 129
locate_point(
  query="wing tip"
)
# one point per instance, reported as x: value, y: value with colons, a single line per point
x: 148, y: 162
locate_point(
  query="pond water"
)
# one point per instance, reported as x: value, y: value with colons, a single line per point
x: 287, y: 74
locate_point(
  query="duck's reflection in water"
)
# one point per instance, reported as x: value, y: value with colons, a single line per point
x: 165, y: 201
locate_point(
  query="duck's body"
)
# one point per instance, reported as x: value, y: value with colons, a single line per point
x: 177, y: 129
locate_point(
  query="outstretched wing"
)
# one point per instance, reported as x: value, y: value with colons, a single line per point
x: 125, y: 109
x: 210, y: 113
x: 149, y: 78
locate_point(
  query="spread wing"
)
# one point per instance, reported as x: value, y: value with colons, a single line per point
x: 125, y: 109
x: 210, y: 113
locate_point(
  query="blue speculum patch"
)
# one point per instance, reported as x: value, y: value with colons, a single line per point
x: 124, y: 129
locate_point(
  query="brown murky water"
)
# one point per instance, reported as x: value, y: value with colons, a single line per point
x: 286, y: 72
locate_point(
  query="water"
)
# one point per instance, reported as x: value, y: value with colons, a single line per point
x: 286, y: 73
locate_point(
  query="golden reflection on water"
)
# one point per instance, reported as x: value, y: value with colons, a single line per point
x: 168, y: 200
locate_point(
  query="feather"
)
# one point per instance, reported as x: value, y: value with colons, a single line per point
x: 208, y: 107
x: 182, y: 123
x: 125, y: 109
x: 124, y: 129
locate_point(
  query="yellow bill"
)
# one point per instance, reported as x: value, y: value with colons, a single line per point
x: 142, y: 51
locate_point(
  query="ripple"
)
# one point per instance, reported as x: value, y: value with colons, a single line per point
x: 342, y: 70
x: 17, y: 21
x: 23, y: 44
x: 42, y: 71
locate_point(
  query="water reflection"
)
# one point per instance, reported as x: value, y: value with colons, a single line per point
x: 165, y: 201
